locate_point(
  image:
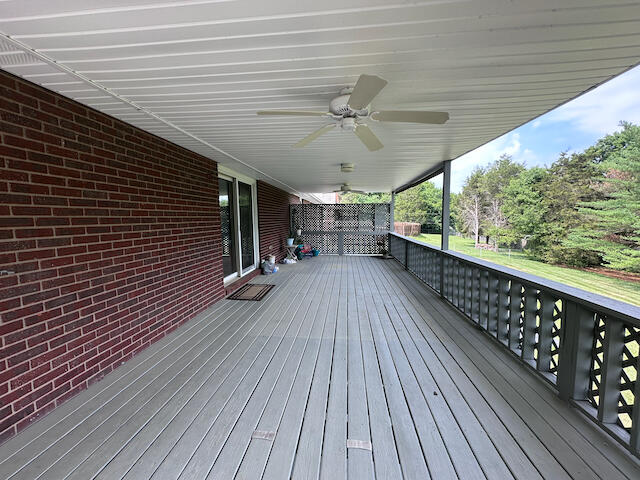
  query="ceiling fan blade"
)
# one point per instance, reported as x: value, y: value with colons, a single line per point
x: 310, y: 138
x: 367, y: 87
x: 293, y: 112
x: 349, y: 191
x: 410, y: 116
x: 369, y: 138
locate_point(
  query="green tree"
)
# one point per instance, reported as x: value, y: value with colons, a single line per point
x: 353, y: 197
x: 479, y: 206
x: 471, y: 204
x: 523, y: 205
x: 421, y: 204
x: 495, y: 180
x: 610, y: 223
x: 569, y: 183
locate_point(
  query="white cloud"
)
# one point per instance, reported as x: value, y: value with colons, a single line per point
x: 592, y: 115
x: 600, y: 111
x: 507, y: 144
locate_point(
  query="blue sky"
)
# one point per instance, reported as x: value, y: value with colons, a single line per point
x: 572, y: 126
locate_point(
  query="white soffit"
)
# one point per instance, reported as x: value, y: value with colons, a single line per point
x: 195, y: 72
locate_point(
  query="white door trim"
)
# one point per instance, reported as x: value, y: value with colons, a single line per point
x: 234, y: 177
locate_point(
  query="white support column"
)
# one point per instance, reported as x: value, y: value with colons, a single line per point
x: 446, y: 198
x: 391, y: 211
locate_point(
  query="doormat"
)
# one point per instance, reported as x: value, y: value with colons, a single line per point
x: 251, y: 291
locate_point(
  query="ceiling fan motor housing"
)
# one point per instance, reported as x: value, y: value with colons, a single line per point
x: 339, y: 106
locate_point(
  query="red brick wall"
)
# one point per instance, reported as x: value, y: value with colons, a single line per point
x: 273, y: 219
x: 114, y: 238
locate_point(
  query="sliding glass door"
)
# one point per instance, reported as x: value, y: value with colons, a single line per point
x: 238, y: 224
x: 245, y: 203
x: 228, y: 222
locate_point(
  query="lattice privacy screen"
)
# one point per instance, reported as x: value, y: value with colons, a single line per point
x: 343, y: 228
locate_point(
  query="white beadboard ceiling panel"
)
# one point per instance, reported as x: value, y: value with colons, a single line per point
x: 196, y: 71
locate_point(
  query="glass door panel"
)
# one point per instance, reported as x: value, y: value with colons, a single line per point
x: 245, y: 200
x: 227, y: 217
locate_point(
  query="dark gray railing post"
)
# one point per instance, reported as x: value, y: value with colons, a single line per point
x: 406, y: 255
x: 493, y: 285
x: 529, y: 325
x: 468, y: 290
x: 483, y: 313
x: 503, y: 310
x: 634, y: 439
x: 575, y: 355
x: 611, y: 371
x: 515, y: 302
x: 545, y: 331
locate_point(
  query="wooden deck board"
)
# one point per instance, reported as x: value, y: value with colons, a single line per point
x: 344, y: 350
x: 538, y: 405
x: 522, y: 391
x: 334, y: 452
x: 307, y: 457
x: 385, y: 456
x: 428, y: 401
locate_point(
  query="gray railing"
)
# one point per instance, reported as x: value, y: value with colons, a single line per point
x: 585, y: 345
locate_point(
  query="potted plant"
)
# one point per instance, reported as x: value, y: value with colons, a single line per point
x: 291, y: 238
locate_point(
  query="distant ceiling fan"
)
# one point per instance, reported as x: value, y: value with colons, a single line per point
x: 346, y: 188
x: 353, y: 105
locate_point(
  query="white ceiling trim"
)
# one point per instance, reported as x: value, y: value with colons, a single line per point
x: 26, y: 49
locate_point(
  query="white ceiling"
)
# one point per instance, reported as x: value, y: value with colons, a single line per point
x: 195, y: 72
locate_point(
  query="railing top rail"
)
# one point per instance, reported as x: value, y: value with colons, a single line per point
x: 608, y: 306
x: 311, y: 205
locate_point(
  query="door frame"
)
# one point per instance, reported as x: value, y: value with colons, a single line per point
x: 235, y: 177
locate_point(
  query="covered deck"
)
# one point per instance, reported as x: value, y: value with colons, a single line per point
x: 349, y: 368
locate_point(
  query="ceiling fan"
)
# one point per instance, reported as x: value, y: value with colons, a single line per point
x: 346, y: 188
x: 352, y: 105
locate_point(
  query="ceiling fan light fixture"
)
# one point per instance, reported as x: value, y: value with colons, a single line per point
x: 348, y: 124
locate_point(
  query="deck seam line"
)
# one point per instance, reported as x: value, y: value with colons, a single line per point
x: 95, y: 411
x: 111, y: 383
x: 332, y: 293
x: 457, y: 387
x: 282, y: 313
x: 385, y: 341
x: 500, y: 394
x: 422, y: 319
x: 317, y: 280
x: 329, y: 283
x: 368, y: 292
x: 394, y: 299
x: 257, y: 311
x: 229, y: 327
x: 490, y: 363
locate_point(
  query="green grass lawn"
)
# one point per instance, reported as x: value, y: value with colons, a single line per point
x: 593, y: 282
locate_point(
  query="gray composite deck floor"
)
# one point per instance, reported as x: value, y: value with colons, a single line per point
x: 349, y: 368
